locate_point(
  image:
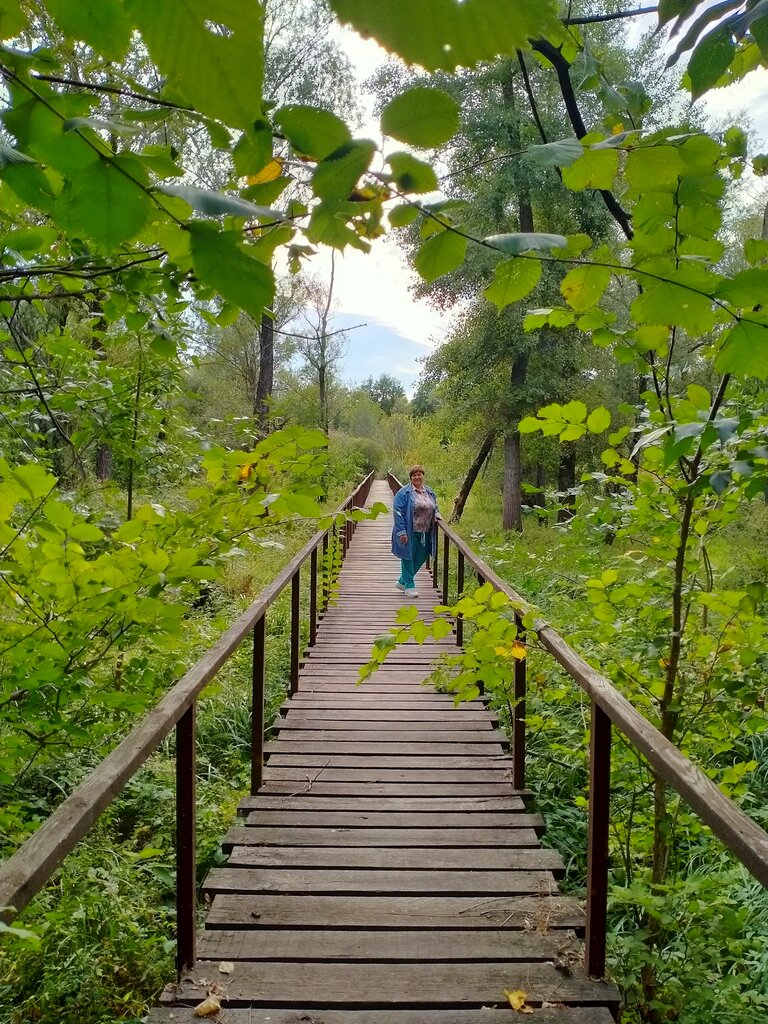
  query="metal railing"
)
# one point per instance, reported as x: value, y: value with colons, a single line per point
x: 746, y: 840
x: 30, y: 868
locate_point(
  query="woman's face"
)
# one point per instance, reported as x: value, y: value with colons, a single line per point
x: 417, y: 479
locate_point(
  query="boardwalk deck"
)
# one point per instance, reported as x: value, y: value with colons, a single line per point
x: 387, y: 872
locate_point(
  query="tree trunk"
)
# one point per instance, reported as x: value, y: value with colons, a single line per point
x: 512, y: 512
x: 323, y: 388
x: 566, y: 481
x: 103, y: 467
x: 472, y: 473
x: 265, y: 384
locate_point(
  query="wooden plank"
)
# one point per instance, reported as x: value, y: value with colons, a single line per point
x: 384, y: 881
x: 244, y: 835
x: 316, y: 802
x: 313, y: 1014
x: 330, y: 746
x: 414, y: 859
x: 364, y: 734
x: 424, y: 721
x: 397, y: 985
x: 393, y: 820
x: 304, y: 784
x: 500, y: 762
x: 519, y: 913
x: 298, y: 727
x: 383, y: 946
x: 495, y: 774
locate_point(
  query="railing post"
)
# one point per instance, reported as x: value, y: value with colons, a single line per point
x: 460, y: 591
x: 295, y: 629
x: 518, y: 721
x: 597, y: 852
x: 186, y: 853
x: 257, y: 705
x: 446, y: 556
x: 313, y: 597
x: 325, y: 591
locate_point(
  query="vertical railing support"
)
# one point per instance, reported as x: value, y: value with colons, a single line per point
x: 295, y: 629
x: 446, y: 557
x: 460, y: 591
x: 257, y: 705
x: 518, y: 720
x: 313, y: 597
x: 325, y: 590
x: 597, y: 852
x: 186, y: 854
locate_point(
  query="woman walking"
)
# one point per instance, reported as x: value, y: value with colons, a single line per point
x: 415, y: 511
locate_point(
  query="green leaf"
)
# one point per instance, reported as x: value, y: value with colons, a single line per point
x: 710, y: 60
x: 312, y: 131
x: 440, y: 254
x: 327, y: 226
x: 412, y: 175
x: 212, y: 56
x: 747, y: 289
x: 519, y: 242
x: 336, y: 176
x: 12, y: 19
x: 556, y: 154
x: 512, y: 281
x: 572, y: 432
x: 583, y: 287
x: 447, y: 34
x: 101, y: 24
x: 653, y: 169
x: 221, y: 262
x: 422, y: 117
x: 253, y: 150
x: 745, y: 350
x: 756, y: 250
x: 103, y: 203
x: 529, y: 425
x: 596, y: 168
x: 665, y: 303
x: 403, y: 215
x: 599, y: 420
x: 217, y: 204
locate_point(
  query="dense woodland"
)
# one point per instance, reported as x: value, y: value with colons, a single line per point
x: 174, y: 421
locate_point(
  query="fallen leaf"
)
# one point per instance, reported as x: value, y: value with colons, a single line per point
x: 226, y: 967
x: 208, y: 1007
x: 517, y: 1000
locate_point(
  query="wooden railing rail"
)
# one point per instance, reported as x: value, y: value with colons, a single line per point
x: 25, y: 873
x: 737, y: 831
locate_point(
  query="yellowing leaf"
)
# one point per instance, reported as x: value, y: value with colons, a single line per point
x: 517, y: 650
x: 208, y: 1007
x: 270, y: 172
x: 517, y: 1000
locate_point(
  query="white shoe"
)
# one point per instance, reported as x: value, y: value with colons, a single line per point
x: 411, y: 593
x: 400, y: 587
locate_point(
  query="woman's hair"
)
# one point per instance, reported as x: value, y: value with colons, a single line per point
x: 415, y: 469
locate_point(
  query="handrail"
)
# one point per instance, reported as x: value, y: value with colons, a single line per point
x: 31, y: 866
x: 739, y: 833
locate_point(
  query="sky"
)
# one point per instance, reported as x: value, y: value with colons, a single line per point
x: 375, y: 289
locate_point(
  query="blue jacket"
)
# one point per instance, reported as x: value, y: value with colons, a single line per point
x: 402, y: 512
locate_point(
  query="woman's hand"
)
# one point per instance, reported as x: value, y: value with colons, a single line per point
x: 403, y: 538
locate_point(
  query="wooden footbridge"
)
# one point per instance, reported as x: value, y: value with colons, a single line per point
x: 387, y: 867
